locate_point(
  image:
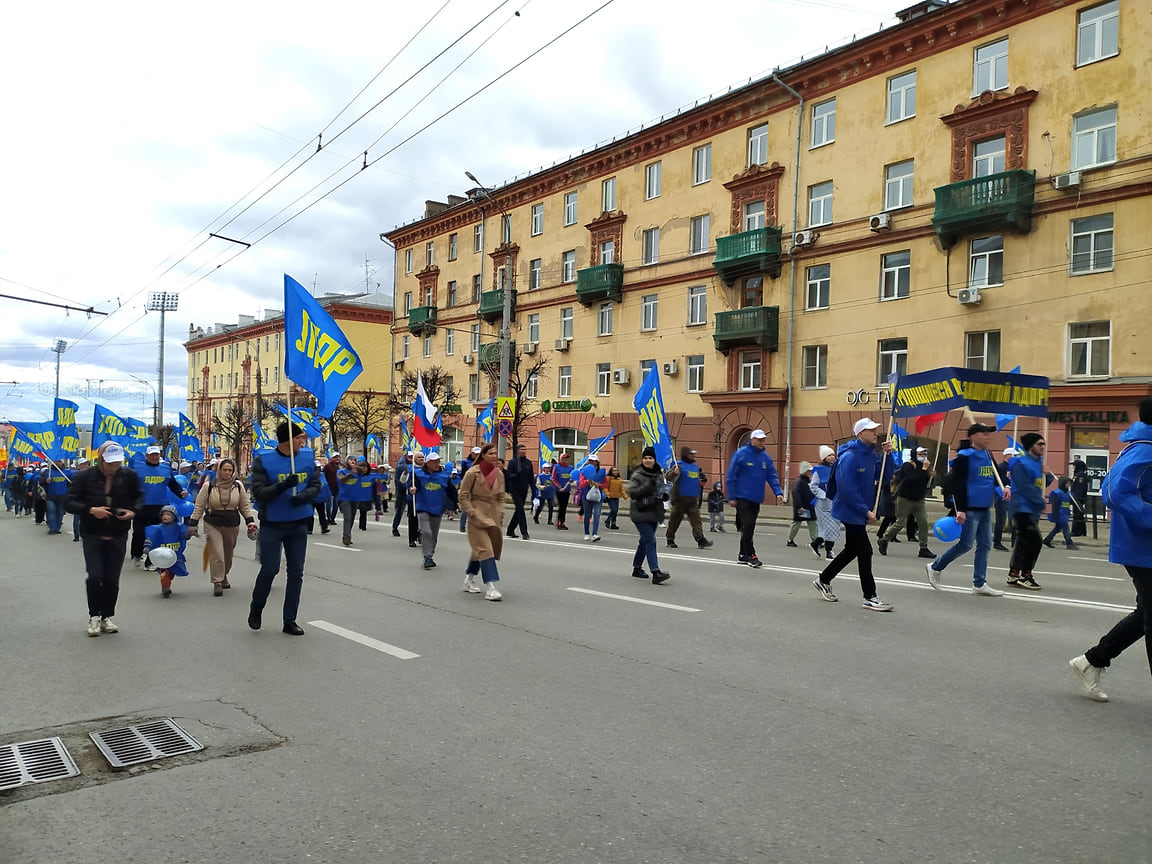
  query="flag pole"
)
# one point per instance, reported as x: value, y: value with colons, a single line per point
x: 291, y: 437
x: 883, y: 459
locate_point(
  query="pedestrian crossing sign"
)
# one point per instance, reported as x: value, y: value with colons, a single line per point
x: 505, y: 407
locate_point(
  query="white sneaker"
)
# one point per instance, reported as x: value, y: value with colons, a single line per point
x: 94, y: 625
x: 470, y: 584
x: 492, y: 593
x: 595, y: 538
x: 987, y: 590
x: 1090, y: 676
x: 587, y: 537
x: 933, y: 576
x: 876, y: 604
x: 107, y: 626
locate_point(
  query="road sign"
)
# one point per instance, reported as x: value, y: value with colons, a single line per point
x: 504, y: 427
x: 505, y: 409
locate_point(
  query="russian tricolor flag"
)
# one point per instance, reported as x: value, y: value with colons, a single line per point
x: 426, y: 426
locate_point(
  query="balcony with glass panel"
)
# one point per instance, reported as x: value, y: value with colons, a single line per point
x: 993, y: 204
x: 749, y: 253
x: 754, y: 325
x: 422, y: 319
x: 603, y: 282
x: 492, y: 305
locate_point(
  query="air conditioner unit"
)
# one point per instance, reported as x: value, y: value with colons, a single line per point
x: 1066, y: 181
x: 399, y: 364
x: 621, y: 376
x: 880, y: 222
x: 529, y: 348
x: 562, y: 344
x: 968, y: 296
x: 671, y: 367
x: 803, y: 238
x: 468, y: 359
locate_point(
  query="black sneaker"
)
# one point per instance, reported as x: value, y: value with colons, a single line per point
x: 828, y: 554
x: 754, y: 562
x: 791, y: 545
x: 882, y: 545
x: 672, y: 544
x: 1000, y: 547
x: 704, y: 544
x: 925, y: 552
x: 1029, y: 583
x: 1048, y: 543
x: 815, y: 546
x: 825, y: 591
x: 895, y: 539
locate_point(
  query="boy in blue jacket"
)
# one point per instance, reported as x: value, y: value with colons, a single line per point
x: 1060, y: 516
x: 171, y: 535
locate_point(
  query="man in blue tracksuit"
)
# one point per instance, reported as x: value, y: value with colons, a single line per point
x: 1127, y: 492
x: 972, y: 494
x: 157, y: 480
x: 748, y: 472
x: 1026, y: 473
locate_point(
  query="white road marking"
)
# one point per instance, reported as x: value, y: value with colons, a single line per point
x: 1057, y: 573
x: 367, y: 641
x: 634, y: 600
x: 341, y: 548
x: 1083, y: 558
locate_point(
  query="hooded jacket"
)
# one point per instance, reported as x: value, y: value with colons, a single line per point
x: 1027, y: 476
x: 748, y: 471
x: 1127, y: 490
x: 858, y: 467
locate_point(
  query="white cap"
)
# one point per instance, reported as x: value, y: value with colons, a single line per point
x: 758, y: 433
x: 435, y: 456
x: 112, y: 452
x: 184, y: 465
x: 153, y: 449
x: 1008, y: 451
x: 862, y: 424
x: 592, y: 456
x: 411, y: 454
x: 544, y: 465
x: 475, y: 449
x: 921, y: 449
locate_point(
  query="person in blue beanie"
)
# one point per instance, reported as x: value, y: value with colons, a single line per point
x: 1026, y: 473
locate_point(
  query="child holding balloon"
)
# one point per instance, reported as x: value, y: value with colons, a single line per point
x: 171, y: 537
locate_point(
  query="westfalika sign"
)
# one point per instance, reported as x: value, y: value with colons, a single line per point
x: 986, y: 392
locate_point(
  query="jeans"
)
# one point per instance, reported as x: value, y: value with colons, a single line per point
x: 1130, y: 629
x: 592, y: 514
x: 1056, y: 529
x: 76, y: 526
x: 1026, y: 549
x: 103, y: 559
x: 646, y: 548
x: 977, y: 531
x: 429, y: 532
x: 858, y: 546
x: 746, y: 513
x: 293, y: 536
x: 54, y: 514
x: 519, y: 519
x: 613, y: 511
x: 716, y: 521
x: 332, y: 505
x: 8, y: 498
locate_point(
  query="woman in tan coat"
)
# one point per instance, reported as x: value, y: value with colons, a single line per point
x: 222, y: 503
x: 482, y: 498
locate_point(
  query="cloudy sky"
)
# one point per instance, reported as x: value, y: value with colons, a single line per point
x: 134, y: 129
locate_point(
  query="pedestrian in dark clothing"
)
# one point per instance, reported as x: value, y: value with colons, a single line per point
x: 1026, y: 473
x: 802, y: 501
x: 686, y: 491
x: 646, y: 510
x: 545, y: 493
x: 520, y: 476
x: 1079, y: 492
x: 1001, y: 506
x: 911, y: 481
x: 1060, y: 515
x: 716, y: 508
x: 330, y: 478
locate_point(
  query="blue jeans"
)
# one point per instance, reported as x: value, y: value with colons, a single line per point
x: 592, y: 514
x: 646, y: 548
x: 7, y: 498
x: 613, y: 511
x: 977, y: 531
x: 293, y: 536
x: 54, y: 514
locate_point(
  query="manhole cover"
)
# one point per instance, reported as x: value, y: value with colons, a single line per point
x: 35, y: 762
x: 144, y: 742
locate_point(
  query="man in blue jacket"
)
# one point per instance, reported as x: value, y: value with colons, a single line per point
x: 1127, y: 492
x: 686, y: 491
x: 748, y: 472
x: 1026, y: 473
x: 859, y: 467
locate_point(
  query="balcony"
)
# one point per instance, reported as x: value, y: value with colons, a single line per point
x: 755, y: 325
x: 986, y: 205
x: 605, y: 282
x: 421, y: 319
x: 492, y: 305
x: 750, y: 253
x: 490, y: 354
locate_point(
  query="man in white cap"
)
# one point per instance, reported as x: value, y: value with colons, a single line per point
x: 157, y: 480
x: 912, y: 482
x: 748, y: 472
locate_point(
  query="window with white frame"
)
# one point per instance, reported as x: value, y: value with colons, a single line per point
x: 698, y: 304
x: 898, y: 185
x: 407, y: 260
x: 988, y: 156
x: 449, y: 342
x: 564, y: 382
x: 1098, y: 33
x: 502, y: 276
x: 535, y: 271
x: 1092, y: 244
x: 901, y: 97
x: 820, y: 204
x: 1090, y: 349
x: 695, y: 373
x: 750, y: 370
x: 604, y: 319
x: 990, y: 67
x: 895, y: 275
x: 645, y: 368
x: 819, y: 286
x: 566, y: 322
x: 893, y: 358
x: 607, y: 251
x: 648, y: 306
x: 753, y: 215
x: 701, y: 164
x: 608, y: 195
x: 570, y: 208
x: 477, y: 288
x: 652, y: 181
x: 824, y: 123
x: 534, y: 327
x: 758, y: 145
x: 478, y: 237
x: 986, y: 261
x: 505, y: 229
x: 603, y: 379
x: 451, y: 293
x: 405, y: 347
x: 1094, y: 138
x: 430, y: 253
x: 982, y: 350
x: 428, y: 293
x: 532, y: 388
x: 407, y: 302
x: 474, y: 338
x: 814, y: 365
x: 651, y: 246
x: 427, y: 344
x: 474, y: 388
x: 698, y: 235
x: 453, y: 246
x: 537, y: 220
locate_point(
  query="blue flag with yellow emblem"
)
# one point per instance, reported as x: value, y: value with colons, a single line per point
x: 317, y: 354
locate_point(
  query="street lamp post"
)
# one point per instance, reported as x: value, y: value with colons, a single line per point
x: 59, y: 348
x: 148, y: 384
x: 162, y: 302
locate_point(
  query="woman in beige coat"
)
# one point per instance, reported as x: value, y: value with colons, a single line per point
x: 482, y: 498
x: 222, y: 503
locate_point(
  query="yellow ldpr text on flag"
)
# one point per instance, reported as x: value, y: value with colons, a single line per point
x: 982, y: 391
x: 1030, y: 397
x: 65, y: 417
x: 651, y: 416
x: 913, y: 397
x: 325, y: 352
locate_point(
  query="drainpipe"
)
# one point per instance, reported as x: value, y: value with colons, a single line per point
x: 791, y: 283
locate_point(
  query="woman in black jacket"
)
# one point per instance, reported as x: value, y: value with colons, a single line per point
x: 646, y: 510
x: 802, y: 500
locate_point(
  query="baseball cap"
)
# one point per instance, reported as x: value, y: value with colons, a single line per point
x: 432, y: 456
x: 1008, y: 451
x: 980, y: 427
x: 112, y: 452
x: 862, y: 424
x: 921, y: 449
x: 151, y: 450
x: 758, y: 433
x: 184, y: 465
x: 475, y: 449
x: 411, y: 454
x: 593, y: 457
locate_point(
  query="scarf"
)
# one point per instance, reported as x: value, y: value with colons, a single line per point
x: 488, y: 470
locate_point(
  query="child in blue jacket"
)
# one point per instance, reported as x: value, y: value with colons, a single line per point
x: 169, y: 534
x: 1060, y: 500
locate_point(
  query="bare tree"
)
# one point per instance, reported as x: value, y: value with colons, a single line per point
x: 235, y: 428
x: 362, y: 413
x: 520, y: 373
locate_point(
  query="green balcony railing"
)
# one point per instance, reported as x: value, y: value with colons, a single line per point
x: 748, y: 253
x: 490, y: 353
x: 755, y: 325
x: 994, y: 203
x: 603, y: 282
x: 492, y: 305
x: 421, y: 318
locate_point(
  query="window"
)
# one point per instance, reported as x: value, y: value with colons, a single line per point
x: 474, y: 339
x: 407, y: 260
x: 893, y: 358
x: 702, y: 164
x: 603, y: 379
x: 568, y: 266
x: 537, y: 220
x: 819, y: 286
x: 901, y: 97
x: 453, y: 246
x: 648, y: 306
x: 1089, y: 348
x: 814, y: 375
x: 535, y: 269
x: 898, y: 185
x: 695, y: 375
x: 607, y: 251
x: 265, y: 344
x: 532, y: 387
x: 564, y: 382
x: 449, y: 342
x: 502, y: 277
x: 982, y: 350
x: 451, y: 294
x: 820, y: 204
x: 986, y: 261
x: 474, y: 388
x: 1094, y: 138
x: 534, y: 327
x: 753, y: 215
x: 1098, y: 33
x: 405, y: 347
x: 645, y: 368
x: 896, y: 275
x: 988, y: 157
x: 750, y: 370
x: 430, y: 253
x: 824, y: 123
x: 758, y: 145
x: 1092, y: 244
x: 505, y: 229
x: 990, y: 69
x: 566, y: 322
x: 407, y: 302
x: 652, y: 181
x: 604, y: 319
x: 428, y: 296
x: 570, y: 208
x: 476, y: 288
x: 427, y: 344
x: 478, y: 237
x: 608, y: 195
x: 698, y: 242
x: 698, y: 304
x: 651, y: 246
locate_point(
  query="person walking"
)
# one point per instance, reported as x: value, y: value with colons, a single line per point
x: 18, y: 487
x: 465, y: 465
x: 433, y: 493
x: 1080, y: 487
x: 687, y: 489
x: 55, y: 482
x: 912, y: 481
x: 802, y: 501
x: 355, y: 493
x: 106, y: 497
x: 1003, y: 468
x: 482, y: 498
x: 520, y: 476
x: 562, y: 480
x: 331, y: 479
x: 1127, y: 491
x: 168, y: 533
x: 402, y: 478
x: 1026, y: 475
x: 545, y: 493
x: 646, y: 510
x: 320, y: 504
x: 592, y: 480
x: 157, y: 480
x: 859, y: 467
x: 222, y: 504
x: 1061, y: 503
x: 973, y: 489
x: 748, y: 472
x: 716, y: 508
x: 285, y: 497
x: 613, y: 492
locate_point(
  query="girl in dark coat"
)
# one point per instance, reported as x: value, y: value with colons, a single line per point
x: 646, y: 510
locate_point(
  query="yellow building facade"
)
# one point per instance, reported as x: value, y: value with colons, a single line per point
x: 968, y: 188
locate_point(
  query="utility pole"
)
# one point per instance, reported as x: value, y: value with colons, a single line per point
x: 59, y: 348
x: 162, y: 302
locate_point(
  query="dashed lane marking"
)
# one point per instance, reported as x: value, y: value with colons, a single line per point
x: 672, y: 606
x: 367, y: 641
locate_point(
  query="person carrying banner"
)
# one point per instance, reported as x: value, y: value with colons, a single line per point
x: 520, y: 476
x: 562, y: 480
x: 912, y: 482
x: 222, y: 504
x: 545, y: 493
x: 646, y: 510
x: 748, y: 472
x: 433, y: 494
x: 482, y: 498
x: 1026, y: 473
x: 972, y: 494
x: 686, y: 492
x: 157, y: 480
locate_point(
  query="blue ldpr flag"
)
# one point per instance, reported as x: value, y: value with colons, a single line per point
x: 1003, y: 420
x: 486, y: 419
x: 547, y: 451
x: 264, y: 443
x: 317, y: 354
x: 303, y: 417
x: 650, y: 406
x: 46, y: 438
x: 68, y: 436
x: 188, y: 441
x: 594, y: 447
x: 407, y: 443
x: 22, y: 446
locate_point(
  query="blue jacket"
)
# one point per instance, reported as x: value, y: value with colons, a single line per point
x: 1127, y: 491
x: 432, y: 490
x: 748, y: 471
x: 1061, y: 503
x: 544, y: 488
x: 689, y: 482
x: 977, y: 487
x: 1027, y: 477
x: 294, y: 502
x: 857, y: 468
x: 55, y: 482
x: 171, y: 535
x: 157, y: 480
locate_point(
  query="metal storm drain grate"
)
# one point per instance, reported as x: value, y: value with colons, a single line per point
x: 35, y: 762
x: 144, y: 742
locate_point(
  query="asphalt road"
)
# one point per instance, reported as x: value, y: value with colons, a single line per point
x: 734, y: 718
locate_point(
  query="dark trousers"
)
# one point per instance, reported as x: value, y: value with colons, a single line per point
x: 322, y: 513
x: 1001, y: 519
x: 103, y: 559
x: 364, y: 507
x: 146, y: 514
x: 562, y: 505
x: 551, y: 502
x: 1026, y: 549
x: 519, y: 519
x: 293, y: 537
x: 858, y: 546
x: 332, y: 505
x: 400, y: 500
x: 746, y: 514
x: 685, y: 508
x: 1132, y: 628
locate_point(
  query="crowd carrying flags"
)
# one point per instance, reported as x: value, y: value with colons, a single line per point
x: 317, y: 354
x: 650, y: 406
x: 1003, y: 420
x: 486, y: 419
x: 923, y: 394
x: 304, y: 417
x: 426, y: 426
x: 547, y: 451
x: 188, y: 441
x: 407, y: 442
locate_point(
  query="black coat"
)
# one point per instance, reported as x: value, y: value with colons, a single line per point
x: 520, y: 475
x: 87, y: 491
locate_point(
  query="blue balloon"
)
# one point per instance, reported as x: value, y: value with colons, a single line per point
x: 182, y: 479
x: 184, y: 506
x: 947, y: 529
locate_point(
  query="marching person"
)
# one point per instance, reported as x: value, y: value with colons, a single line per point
x: 168, y: 533
x: 1004, y: 469
x: 482, y: 498
x: 222, y: 504
x: 592, y: 480
x: 1080, y: 487
x: 402, y: 478
x: 519, y: 475
x: 562, y: 480
x: 157, y: 481
x: 54, y: 481
x: 1026, y: 473
x: 355, y: 494
x: 686, y: 492
x: 802, y: 501
x: 465, y: 464
x: 716, y: 508
x: 433, y: 494
x: 331, y: 470
x: 613, y: 492
x: 545, y: 493
x: 1061, y: 502
x: 748, y: 472
x: 646, y: 510
x: 912, y: 481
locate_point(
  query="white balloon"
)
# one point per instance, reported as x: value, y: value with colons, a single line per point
x: 162, y: 558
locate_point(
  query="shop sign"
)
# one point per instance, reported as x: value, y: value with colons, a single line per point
x: 878, y: 395
x: 566, y: 405
x: 451, y: 409
x: 1090, y: 417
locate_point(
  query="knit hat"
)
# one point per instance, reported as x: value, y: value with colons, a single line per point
x: 287, y: 431
x: 168, y: 508
x: 648, y: 451
x: 1028, y: 440
x: 825, y: 452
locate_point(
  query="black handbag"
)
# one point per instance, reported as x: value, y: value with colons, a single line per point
x: 223, y: 518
